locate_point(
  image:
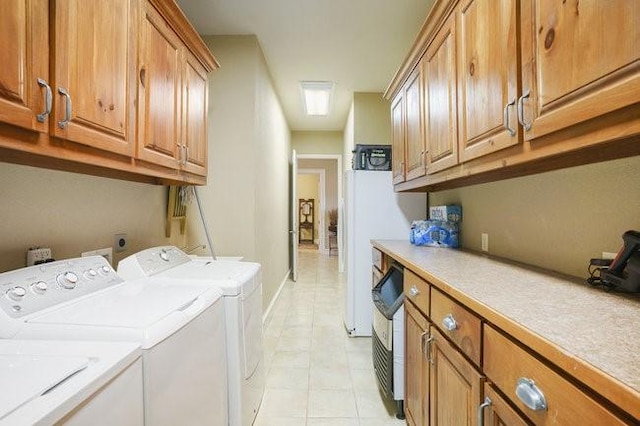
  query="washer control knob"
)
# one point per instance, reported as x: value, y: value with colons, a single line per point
x: 39, y: 287
x: 16, y: 293
x: 67, y: 280
x: 164, y: 256
x: 104, y: 270
x: 90, y: 274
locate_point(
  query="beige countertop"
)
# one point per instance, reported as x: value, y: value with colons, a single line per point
x: 591, y: 334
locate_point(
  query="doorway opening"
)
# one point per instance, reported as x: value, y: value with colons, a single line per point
x: 318, y: 177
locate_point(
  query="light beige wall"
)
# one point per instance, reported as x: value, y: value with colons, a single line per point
x: 372, y: 119
x: 246, y: 197
x: 556, y: 220
x: 229, y: 196
x: 317, y: 142
x: 368, y: 123
x: 273, y: 148
x: 71, y: 213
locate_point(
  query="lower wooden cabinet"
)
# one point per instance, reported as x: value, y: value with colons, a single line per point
x: 455, y: 386
x: 416, y: 367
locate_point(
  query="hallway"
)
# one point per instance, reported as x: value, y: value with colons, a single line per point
x: 316, y: 374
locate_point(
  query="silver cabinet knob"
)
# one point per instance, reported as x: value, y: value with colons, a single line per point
x: 414, y: 291
x: 530, y: 394
x: 449, y: 323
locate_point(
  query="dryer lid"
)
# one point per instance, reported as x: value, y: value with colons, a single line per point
x: 232, y: 277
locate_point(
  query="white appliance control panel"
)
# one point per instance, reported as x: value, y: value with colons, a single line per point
x: 152, y: 261
x: 32, y: 289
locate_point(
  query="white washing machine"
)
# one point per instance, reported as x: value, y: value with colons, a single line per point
x: 179, y: 326
x: 44, y: 382
x: 242, y: 287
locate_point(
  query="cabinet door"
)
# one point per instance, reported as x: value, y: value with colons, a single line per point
x: 455, y: 386
x: 580, y: 60
x: 416, y: 367
x: 441, y: 129
x: 95, y: 48
x: 194, y: 113
x: 159, y: 92
x: 487, y: 77
x: 398, y: 138
x: 24, y: 55
x: 414, y: 145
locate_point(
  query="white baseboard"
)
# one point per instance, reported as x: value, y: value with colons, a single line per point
x: 267, y: 313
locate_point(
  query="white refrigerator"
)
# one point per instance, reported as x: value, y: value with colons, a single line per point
x: 372, y: 210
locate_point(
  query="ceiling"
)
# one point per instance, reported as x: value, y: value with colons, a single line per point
x: 358, y: 44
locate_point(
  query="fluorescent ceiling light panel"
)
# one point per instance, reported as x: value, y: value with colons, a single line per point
x: 316, y: 96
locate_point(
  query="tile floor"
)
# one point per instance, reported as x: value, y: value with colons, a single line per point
x: 316, y: 374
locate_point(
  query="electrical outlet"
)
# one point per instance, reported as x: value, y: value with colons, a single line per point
x: 120, y: 242
x: 107, y: 253
x: 485, y: 242
x: 38, y: 255
x: 609, y: 255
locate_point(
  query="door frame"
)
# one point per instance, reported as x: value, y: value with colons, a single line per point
x: 340, y: 173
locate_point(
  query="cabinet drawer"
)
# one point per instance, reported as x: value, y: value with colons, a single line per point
x: 458, y: 324
x: 417, y: 290
x: 506, y: 363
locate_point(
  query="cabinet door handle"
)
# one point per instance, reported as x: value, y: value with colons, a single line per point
x: 487, y: 403
x: 527, y: 126
x: 47, y: 101
x: 422, y: 341
x: 449, y: 323
x: 427, y: 349
x: 186, y: 154
x: 505, y: 117
x: 67, y: 108
x: 414, y: 291
x: 530, y: 394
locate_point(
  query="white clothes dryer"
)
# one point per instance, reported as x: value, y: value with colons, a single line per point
x: 45, y: 382
x: 179, y: 326
x: 241, y: 285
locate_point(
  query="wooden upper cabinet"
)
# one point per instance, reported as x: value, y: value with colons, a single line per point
x: 487, y: 77
x: 414, y: 142
x: 94, y: 63
x: 159, y: 92
x: 580, y: 60
x: 440, y: 103
x: 24, y: 55
x: 398, y: 138
x: 195, y: 100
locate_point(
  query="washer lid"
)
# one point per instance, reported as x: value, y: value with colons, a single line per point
x: 232, y: 277
x: 27, y: 377
x: 134, y: 304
